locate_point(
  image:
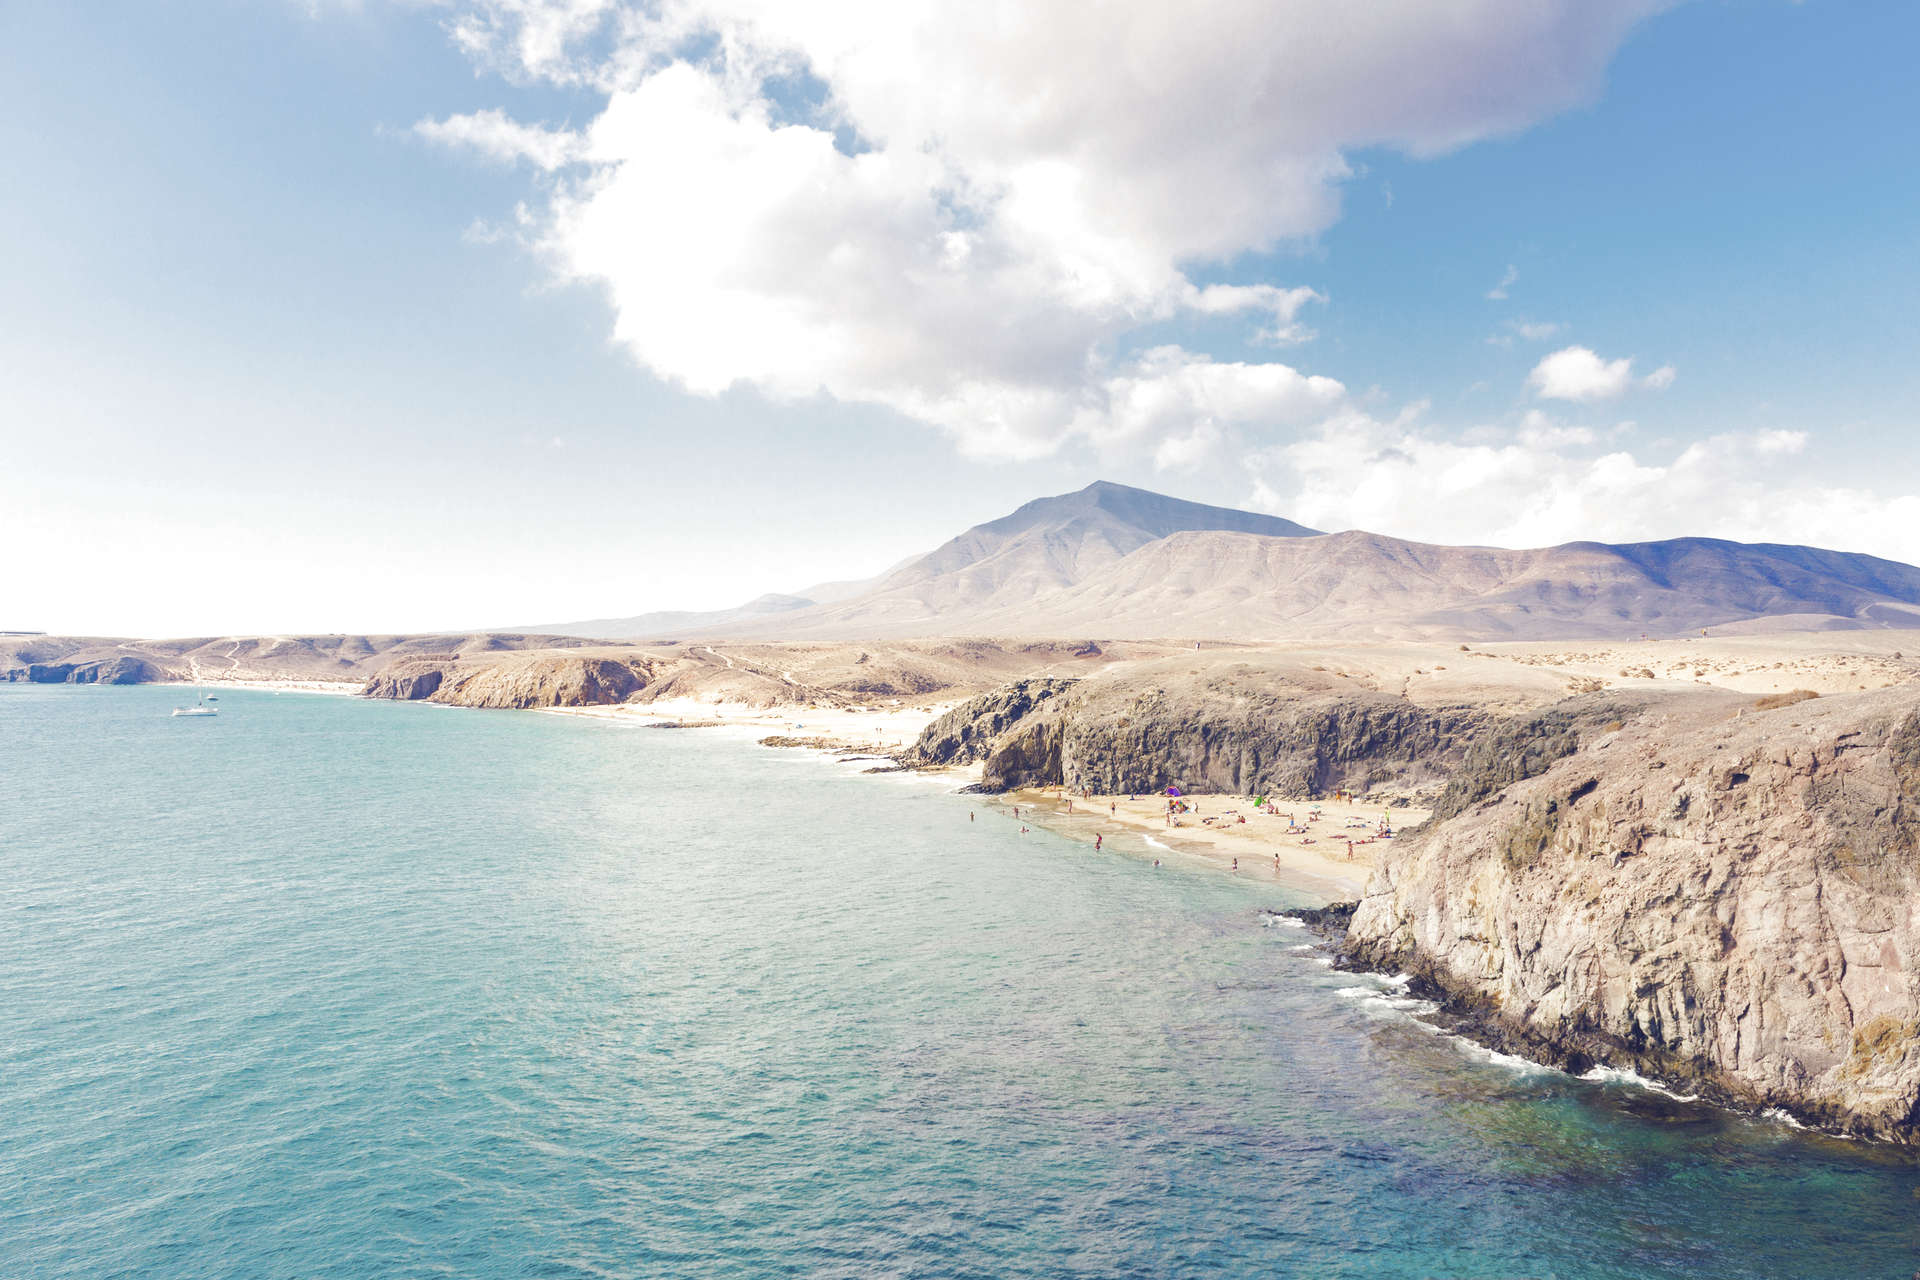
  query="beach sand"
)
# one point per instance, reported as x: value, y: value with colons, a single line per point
x: 339, y: 688
x: 1317, y: 860
x: 876, y: 729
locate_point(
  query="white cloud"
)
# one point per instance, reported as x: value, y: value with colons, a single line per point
x: 494, y: 136
x: 1185, y: 453
x: 1541, y: 490
x: 1282, y: 304
x: 1578, y: 374
x: 1499, y: 292
x: 1530, y: 330
x: 1538, y: 431
x: 964, y: 212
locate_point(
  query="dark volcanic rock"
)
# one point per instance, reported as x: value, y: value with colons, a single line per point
x: 1295, y: 747
x: 1526, y: 746
x: 407, y: 681
x: 126, y: 671
x: 120, y: 670
x: 968, y: 732
x: 1233, y: 735
x: 515, y: 680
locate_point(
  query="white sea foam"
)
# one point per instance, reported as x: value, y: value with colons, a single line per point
x: 1519, y: 1066
x: 1155, y: 843
x: 1776, y: 1114
x: 1621, y: 1075
x: 1381, y: 1000
x: 1301, y: 946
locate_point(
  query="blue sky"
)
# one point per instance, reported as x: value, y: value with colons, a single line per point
x: 279, y: 355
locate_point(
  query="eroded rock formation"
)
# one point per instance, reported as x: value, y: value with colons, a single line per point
x: 520, y: 682
x: 1723, y: 897
x: 1211, y: 731
x: 118, y: 670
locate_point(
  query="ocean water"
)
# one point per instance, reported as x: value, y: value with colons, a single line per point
x: 325, y: 988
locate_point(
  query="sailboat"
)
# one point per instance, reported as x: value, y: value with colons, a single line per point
x: 199, y: 708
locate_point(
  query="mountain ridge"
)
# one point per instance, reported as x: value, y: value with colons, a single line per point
x: 1112, y: 561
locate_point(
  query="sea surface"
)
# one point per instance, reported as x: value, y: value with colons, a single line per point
x: 330, y: 988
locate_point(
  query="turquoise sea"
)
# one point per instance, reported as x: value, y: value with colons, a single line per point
x: 328, y: 988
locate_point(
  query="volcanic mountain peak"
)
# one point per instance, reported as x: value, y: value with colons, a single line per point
x: 1115, y: 562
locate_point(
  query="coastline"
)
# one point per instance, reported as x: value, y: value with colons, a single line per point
x: 335, y: 688
x: 1315, y: 863
x: 879, y: 730
x: 1262, y: 845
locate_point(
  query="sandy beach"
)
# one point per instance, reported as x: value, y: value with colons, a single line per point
x: 339, y: 688
x: 1316, y: 858
x: 877, y: 729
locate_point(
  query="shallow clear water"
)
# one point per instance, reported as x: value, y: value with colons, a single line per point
x: 332, y: 988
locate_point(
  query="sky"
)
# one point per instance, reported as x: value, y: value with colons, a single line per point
x: 372, y: 315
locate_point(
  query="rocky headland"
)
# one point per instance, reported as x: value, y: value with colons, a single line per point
x: 1711, y: 888
x: 1720, y: 892
x: 1237, y: 724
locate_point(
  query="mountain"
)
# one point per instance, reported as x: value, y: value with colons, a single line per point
x: 1365, y: 585
x: 1047, y: 545
x: 1113, y: 562
x: 672, y: 622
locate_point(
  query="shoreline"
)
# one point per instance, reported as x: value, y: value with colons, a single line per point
x: 1315, y: 861
x: 1308, y: 863
x: 333, y: 688
x: 880, y: 731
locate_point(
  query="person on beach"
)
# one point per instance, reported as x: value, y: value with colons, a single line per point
x: 969, y: 815
x: 1097, y: 842
x: 1236, y: 864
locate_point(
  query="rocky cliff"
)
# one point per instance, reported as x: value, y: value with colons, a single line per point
x: 1710, y: 892
x: 969, y: 731
x: 1235, y: 728
x: 116, y: 670
x: 521, y: 681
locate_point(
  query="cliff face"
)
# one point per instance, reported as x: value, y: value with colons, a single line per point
x: 1212, y: 730
x: 968, y: 732
x: 1724, y: 897
x: 120, y: 670
x: 536, y: 680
